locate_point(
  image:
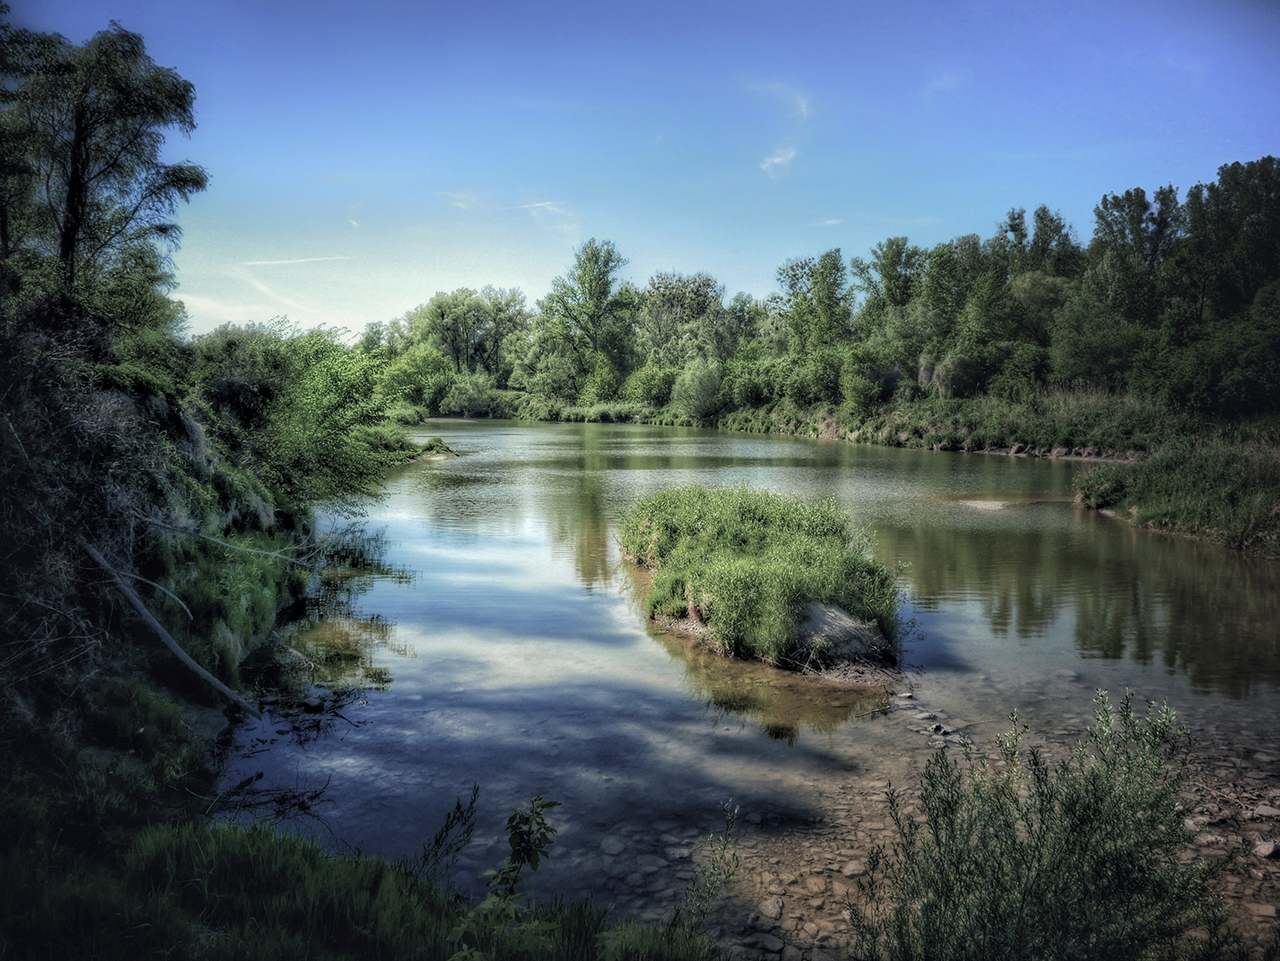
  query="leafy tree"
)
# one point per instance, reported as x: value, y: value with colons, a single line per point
x: 91, y: 120
x: 819, y: 301
x: 1232, y: 245
x: 508, y: 322
x: 456, y: 324
x: 681, y: 317
x: 589, y: 309
x: 696, y: 392
x: 420, y: 376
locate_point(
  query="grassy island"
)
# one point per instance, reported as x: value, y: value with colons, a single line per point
x: 745, y: 564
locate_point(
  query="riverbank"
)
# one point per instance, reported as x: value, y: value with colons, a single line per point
x: 1161, y: 469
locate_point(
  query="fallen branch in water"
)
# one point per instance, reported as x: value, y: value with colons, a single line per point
x: 164, y: 635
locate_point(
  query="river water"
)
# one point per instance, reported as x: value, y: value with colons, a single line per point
x: 509, y: 651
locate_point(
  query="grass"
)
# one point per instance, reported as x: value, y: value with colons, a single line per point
x: 1216, y: 488
x: 1022, y: 859
x: 746, y: 562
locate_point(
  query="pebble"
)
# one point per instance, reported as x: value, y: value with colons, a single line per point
x: 771, y: 908
x: 1266, y: 811
x: 853, y: 869
x: 1266, y: 849
x: 613, y: 846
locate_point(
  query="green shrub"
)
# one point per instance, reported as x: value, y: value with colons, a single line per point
x: 747, y: 561
x: 650, y: 385
x: 1026, y: 860
x: 601, y: 385
x: 696, y: 393
x: 470, y: 395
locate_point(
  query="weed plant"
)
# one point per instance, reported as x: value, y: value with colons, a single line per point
x: 746, y: 562
x: 1022, y: 859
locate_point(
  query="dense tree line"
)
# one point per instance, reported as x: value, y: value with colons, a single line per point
x: 1175, y: 300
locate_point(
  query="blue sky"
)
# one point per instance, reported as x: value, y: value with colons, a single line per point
x: 363, y: 156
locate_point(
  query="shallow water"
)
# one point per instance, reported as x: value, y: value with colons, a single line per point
x: 514, y: 654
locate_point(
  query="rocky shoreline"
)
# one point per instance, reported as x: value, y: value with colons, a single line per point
x: 799, y: 868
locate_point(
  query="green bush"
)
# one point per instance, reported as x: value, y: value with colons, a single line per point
x: 747, y: 561
x: 696, y: 393
x: 470, y: 395
x: 650, y: 385
x: 1023, y: 859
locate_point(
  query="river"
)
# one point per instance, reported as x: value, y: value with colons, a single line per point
x: 509, y: 650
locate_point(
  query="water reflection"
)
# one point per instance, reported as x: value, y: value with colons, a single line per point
x: 1118, y: 592
x: 500, y: 605
x: 781, y: 703
x: 340, y: 643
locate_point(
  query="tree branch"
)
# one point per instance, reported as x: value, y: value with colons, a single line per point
x: 164, y: 635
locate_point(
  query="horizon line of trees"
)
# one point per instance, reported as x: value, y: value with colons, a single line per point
x: 1174, y: 299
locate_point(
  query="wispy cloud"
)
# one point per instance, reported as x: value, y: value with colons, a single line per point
x: 295, y: 260
x: 242, y: 273
x: 216, y: 310
x: 831, y: 223
x: 796, y: 100
x: 942, y: 83
x: 544, y: 207
x: 780, y: 157
x: 460, y: 200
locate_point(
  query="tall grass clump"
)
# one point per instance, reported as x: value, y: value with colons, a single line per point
x: 1213, y: 488
x: 1023, y: 859
x: 745, y: 563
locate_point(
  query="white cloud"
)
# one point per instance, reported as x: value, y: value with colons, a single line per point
x: 831, y: 223
x: 795, y: 99
x: 782, y: 156
x: 296, y: 260
x: 544, y: 207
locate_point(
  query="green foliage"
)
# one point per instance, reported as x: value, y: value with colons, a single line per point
x: 1219, y: 488
x: 1022, y: 376
x: 696, y: 393
x: 818, y: 302
x: 1027, y: 859
x: 650, y: 385
x: 1077, y: 422
x: 420, y: 376
x: 470, y: 395
x: 588, y: 311
x: 746, y: 562
x: 292, y: 405
x: 600, y: 386
x: 88, y: 122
